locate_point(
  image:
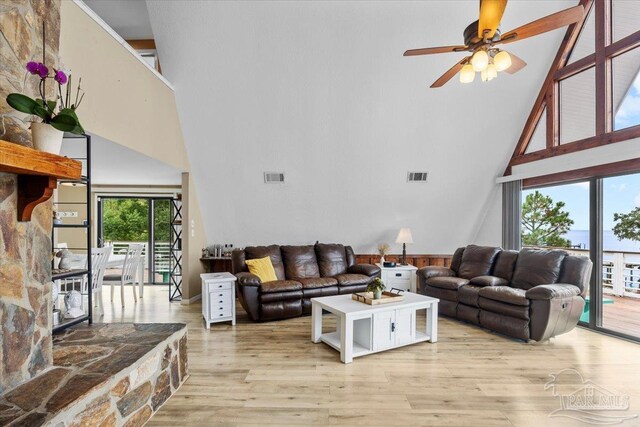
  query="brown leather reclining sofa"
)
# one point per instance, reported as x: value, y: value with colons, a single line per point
x: 533, y: 294
x: 303, y: 272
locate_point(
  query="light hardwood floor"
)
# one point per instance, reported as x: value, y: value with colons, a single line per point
x: 271, y: 374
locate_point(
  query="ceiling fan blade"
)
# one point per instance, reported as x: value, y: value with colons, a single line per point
x: 542, y: 25
x: 432, y: 50
x: 450, y: 73
x: 491, y: 12
x: 517, y: 64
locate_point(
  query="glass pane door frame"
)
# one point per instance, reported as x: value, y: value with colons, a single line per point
x: 596, y: 251
x: 151, y: 249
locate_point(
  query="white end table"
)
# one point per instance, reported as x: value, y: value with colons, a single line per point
x: 363, y: 329
x: 218, y: 298
x: 399, y: 277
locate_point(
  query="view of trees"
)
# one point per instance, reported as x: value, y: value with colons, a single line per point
x: 544, y: 221
x: 128, y: 220
x: 627, y: 226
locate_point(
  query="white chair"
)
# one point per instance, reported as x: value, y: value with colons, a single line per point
x: 128, y: 274
x: 99, y: 259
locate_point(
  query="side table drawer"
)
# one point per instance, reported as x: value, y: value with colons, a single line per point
x: 398, y: 274
x: 220, y: 295
x: 218, y: 286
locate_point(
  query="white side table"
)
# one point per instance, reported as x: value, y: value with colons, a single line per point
x: 399, y: 277
x: 218, y: 298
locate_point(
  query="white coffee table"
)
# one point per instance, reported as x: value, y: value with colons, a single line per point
x: 363, y: 329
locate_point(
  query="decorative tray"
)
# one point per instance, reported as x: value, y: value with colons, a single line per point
x: 367, y: 297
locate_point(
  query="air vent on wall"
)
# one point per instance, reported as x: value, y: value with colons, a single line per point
x: 416, y: 176
x: 274, y: 177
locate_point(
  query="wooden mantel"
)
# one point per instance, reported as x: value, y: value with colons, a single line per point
x: 38, y: 173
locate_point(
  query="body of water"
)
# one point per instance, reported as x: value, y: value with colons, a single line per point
x: 610, y: 241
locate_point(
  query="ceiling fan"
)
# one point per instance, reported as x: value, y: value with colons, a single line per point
x: 481, y: 37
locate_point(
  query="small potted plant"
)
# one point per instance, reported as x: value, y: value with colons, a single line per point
x: 376, y: 286
x: 383, y: 249
x: 58, y: 115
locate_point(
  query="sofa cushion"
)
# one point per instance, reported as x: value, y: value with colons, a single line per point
x: 299, y: 262
x: 451, y: 283
x: 332, y: 259
x: 352, y: 279
x: 576, y: 270
x: 456, y: 259
x: 518, y: 328
x: 505, y: 264
x: 281, y: 296
x: 280, y: 286
x: 477, y: 261
x: 469, y: 295
x: 488, y: 281
x: 511, y: 310
x: 317, y: 282
x: 537, y: 267
x: 262, y: 268
x: 442, y: 294
x: 505, y: 294
x: 273, y: 252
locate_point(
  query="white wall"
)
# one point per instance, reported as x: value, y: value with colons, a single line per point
x: 321, y: 91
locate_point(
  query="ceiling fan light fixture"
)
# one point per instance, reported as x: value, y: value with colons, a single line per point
x: 480, y: 60
x: 492, y: 72
x: 467, y: 75
x: 502, y: 60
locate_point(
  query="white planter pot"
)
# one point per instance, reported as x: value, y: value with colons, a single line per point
x: 46, y: 138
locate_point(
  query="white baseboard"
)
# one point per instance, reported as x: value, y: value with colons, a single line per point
x: 192, y: 299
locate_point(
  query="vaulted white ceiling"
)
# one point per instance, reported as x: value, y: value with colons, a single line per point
x: 320, y: 90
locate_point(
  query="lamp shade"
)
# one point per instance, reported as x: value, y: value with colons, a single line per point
x: 404, y: 236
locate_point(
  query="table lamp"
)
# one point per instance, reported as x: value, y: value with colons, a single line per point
x: 404, y: 237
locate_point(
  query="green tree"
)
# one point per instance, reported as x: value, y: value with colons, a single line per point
x: 128, y: 220
x: 544, y: 222
x: 627, y: 225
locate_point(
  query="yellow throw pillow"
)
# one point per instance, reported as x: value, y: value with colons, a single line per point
x: 263, y: 268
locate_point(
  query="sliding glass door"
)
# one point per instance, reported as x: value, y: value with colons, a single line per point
x: 141, y: 220
x: 598, y: 218
x: 621, y: 254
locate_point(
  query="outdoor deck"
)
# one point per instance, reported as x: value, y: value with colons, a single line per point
x: 623, y: 315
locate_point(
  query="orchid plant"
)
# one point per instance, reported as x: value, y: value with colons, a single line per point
x: 65, y: 118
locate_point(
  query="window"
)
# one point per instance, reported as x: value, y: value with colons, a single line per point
x: 593, y: 95
x: 625, y: 18
x: 586, y: 43
x: 626, y: 90
x: 556, y: 216
x: 578, y: 106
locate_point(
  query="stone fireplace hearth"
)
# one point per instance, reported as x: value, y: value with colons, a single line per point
x: 102, y: 375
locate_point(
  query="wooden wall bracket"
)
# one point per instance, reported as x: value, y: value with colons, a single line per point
x: 33, y: 190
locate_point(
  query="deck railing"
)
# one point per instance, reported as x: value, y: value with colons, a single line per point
x: 620, y: 272
x: 162, y: 255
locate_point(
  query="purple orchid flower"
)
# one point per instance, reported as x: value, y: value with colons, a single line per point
x: 60, y: 77
x: 33, y: 67
x: 43, y: 71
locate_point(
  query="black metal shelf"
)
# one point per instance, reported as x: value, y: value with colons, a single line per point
x: 71, y: 225
x: 68, y: 274
x: 175, y: 250
x: 85, y: 181
x: 66, y: 323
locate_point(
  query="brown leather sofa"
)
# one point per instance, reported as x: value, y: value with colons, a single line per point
x: 534, y: 294
x: 303, y: 272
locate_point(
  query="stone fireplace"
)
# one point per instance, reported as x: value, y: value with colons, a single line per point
x: 25, y: 247
x: 25, y: 291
